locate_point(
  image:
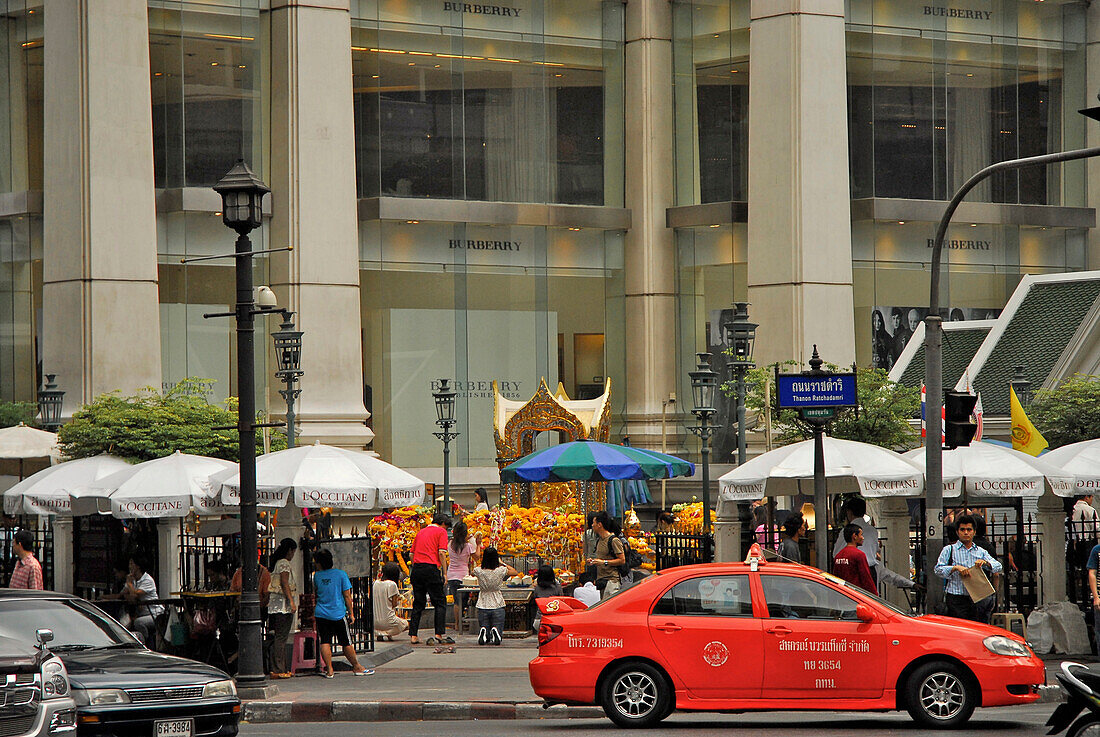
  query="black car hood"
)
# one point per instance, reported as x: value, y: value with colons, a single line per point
x: 135, y: 668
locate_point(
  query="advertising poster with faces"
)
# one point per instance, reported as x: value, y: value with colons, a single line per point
x: 892, y: 327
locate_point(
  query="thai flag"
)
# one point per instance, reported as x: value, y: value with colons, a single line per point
x: 923, y: 429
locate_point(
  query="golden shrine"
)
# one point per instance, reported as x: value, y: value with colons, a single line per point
x: 517, y: 424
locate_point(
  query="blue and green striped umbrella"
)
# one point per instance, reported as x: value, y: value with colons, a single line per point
x: 588, y: 460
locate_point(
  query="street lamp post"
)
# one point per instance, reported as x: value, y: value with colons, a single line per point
x: 933, y: 358
x: 740, y: 337
x: 445, y: 418
x: 704, y: 383
x: 288, y: 354
x: 1021, y: 386
x: 50, y: 399
x: 242, y: 194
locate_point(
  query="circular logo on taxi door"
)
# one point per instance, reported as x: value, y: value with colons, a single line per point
x: 715, y: 653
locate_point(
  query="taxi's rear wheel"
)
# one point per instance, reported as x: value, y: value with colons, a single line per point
x: 636, y: 695
x: 939, y: 695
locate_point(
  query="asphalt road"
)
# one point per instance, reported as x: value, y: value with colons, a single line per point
x: 1016, y: 721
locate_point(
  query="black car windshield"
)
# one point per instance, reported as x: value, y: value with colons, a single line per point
x: 76, y: 625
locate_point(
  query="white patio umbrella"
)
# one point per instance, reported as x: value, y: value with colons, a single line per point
x: 171, y: 486
x: 326, y: 476
x: 22, y: 443
x: 985, y: 469
x: 50, y: 490
x: 850, y: 466
x: 1082, y: 460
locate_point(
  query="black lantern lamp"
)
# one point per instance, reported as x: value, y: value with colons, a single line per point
x: 242, y: 195
x: 741, y: 334
x: 288, y: 347
x: 1021, y: 386
x: 445, y: 418
x: 704, y: 383
x: 50, y: 399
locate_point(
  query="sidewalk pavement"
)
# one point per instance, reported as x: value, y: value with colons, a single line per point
x: 416, y: 684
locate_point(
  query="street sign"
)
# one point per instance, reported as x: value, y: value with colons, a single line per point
x: 818, y: 413
x: 816, y: 390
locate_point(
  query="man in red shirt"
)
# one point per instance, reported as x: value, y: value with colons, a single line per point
x: 850, y: 563
x: 28, y: 571
x: 429, y: 559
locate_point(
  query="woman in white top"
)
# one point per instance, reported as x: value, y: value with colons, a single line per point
x: 482, y: 499
x: 385, y: 596
x: 490, y: 602
x: 282, y: 604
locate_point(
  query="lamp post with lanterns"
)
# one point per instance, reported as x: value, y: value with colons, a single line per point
x: 288, y: 354
x: 445, y: 418
x: 740, y: 338
x: 50, y: 399
x: 242, y: 195
x: 704, y: 384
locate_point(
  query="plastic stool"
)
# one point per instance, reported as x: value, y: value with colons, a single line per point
x: 298, y: 660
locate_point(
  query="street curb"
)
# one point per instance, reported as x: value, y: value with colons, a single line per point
x: 285, y: 712
x: 1051, y: 694
x: 385, y: 655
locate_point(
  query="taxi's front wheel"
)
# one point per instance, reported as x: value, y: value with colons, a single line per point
x: 636, y: 695
x: 939, y: 695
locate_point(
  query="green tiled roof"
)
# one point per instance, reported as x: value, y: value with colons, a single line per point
x: 1036, y: 336
x: 959, y: 347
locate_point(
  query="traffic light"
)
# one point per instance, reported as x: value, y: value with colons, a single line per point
x: 958, y: 428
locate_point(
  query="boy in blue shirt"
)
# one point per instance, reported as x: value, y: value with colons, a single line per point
x: 333, y: 612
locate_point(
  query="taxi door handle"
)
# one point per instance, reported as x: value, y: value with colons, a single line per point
x: 778, y: 630
x: 668, y: 627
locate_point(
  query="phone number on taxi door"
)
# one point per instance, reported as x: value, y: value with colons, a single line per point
x: 821, y: 665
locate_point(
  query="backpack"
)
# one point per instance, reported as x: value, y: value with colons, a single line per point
x: 633, y: 558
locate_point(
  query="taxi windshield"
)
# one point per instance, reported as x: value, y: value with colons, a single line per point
x: 878, y: 599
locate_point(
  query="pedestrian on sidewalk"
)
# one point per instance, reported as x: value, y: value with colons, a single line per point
x: 429, y: 555
x: 794, y: 527
x: 490, y: 601
x: 850, y: 562
x: 460, y: 553
x: 954, y: 565
x: 608, y: 556
x: 282, y: 604
x: 28, y: 571
x: 385, y: 596
x: 333, y: 613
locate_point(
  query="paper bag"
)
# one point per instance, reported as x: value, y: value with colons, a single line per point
x: 977, y: 585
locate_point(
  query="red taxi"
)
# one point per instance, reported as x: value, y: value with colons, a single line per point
x: 768, y: 635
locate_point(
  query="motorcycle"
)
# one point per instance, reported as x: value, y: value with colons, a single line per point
x: 1082, y: 687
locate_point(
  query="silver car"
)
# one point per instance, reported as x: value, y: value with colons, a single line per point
x: 35, y: 695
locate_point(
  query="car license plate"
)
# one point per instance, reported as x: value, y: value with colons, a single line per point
x: 174, y: 728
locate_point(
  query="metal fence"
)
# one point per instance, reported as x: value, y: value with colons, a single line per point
x: 673, y: 549
x: 197, y: 552
x: 42, y: 530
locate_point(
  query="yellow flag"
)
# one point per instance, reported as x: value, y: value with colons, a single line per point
x: 1025, y: 437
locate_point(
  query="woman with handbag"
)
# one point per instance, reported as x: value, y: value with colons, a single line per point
x: 282, y: 604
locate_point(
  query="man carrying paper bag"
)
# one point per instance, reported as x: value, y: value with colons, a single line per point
x: 960, y: 565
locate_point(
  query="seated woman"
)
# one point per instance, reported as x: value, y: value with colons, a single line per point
x: 384, y: 593
x: 140, y: 588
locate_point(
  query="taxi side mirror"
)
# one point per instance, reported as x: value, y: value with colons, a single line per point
x: 864, y: 613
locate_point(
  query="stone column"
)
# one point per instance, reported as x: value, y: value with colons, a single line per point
x: 1052, y: 563
x: 650, y: 252
x: 63, y: 560
x: 727, y: 533
x: 169, y: 578
x: 893, y: 514
x: 315, y: 211
x: 800, y: 244
x: 101, y: 318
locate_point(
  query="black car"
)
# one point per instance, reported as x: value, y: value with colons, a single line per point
x: 121, y: 688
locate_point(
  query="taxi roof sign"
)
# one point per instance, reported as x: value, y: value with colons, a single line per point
x: 755, y: 556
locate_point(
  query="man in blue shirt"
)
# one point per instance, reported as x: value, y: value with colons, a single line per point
x: 954, y: 564
x: 333, y: 612
x: 1092, y: 564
